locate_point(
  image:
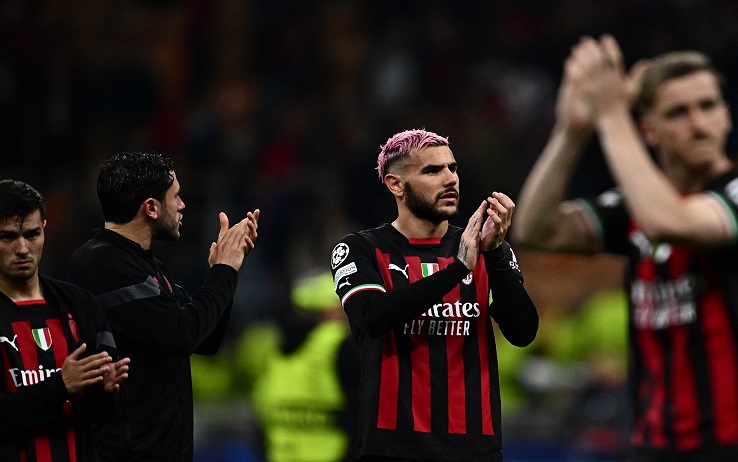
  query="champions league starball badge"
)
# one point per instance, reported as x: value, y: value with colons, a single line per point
x: 340, y: 252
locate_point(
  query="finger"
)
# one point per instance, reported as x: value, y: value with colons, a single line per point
x: 80, y: 349
x: 252, y: 230
x: 91, y: 381
x: 95, y: 362
x: 249, y: 244
x: 588, y: 53
x: 611, y: 51
x: 505, y: 201
x: 234, y: 234
x: 479, y: 213
x: 473, y: 225
x: 255, y: 215
x: 635, y: 77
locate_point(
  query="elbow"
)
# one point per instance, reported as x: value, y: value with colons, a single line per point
x: 531, y: 237
x: 526, y: 336
x: 660, y: 232
x: 522, y: 331
x: 522, y: 235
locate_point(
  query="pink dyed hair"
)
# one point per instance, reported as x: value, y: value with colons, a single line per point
x: 399, y: 145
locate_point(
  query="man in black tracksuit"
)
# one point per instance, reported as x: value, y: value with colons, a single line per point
x: 56, y: 350
x: 156, y: 323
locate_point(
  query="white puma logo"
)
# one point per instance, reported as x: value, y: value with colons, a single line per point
x: 11, y: 342
x: 392, y: 266
x: 345, y: 283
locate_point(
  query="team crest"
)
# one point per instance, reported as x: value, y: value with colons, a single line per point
x: 468, y: 279
x: 73, y: 328
x: 42, y: 337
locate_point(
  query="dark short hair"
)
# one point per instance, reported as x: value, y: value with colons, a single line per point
x: 669, y: 66
x: 19, y: 199
x: 129, y: 178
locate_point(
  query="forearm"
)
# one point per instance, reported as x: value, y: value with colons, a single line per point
x: 536, y: 215
x: 176, y: 323
x: 379, y: 312
x: 33, y: 405
x: 212, y: 343
x: 512, y: 307
x: 652, y: 200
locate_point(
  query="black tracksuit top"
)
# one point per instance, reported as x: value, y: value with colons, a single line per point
x: 158, y: 325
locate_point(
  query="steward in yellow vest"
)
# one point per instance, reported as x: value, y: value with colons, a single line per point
x: 302, y: 397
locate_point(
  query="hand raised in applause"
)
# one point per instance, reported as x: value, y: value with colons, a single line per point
x: 486, y: 228
x: 499, y: 216
x: 596, y: 69
x: 469, y: 245
x: 236, y: 242
x: 79, y: 374
x: 116, y: 373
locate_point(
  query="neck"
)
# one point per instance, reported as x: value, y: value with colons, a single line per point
x: 133, y: 231
x: 689, y: 179
x: 19, y: 291
x: 413, y: 227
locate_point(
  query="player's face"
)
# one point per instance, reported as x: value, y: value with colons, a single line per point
x: 166, y: 227
x: 689, y: 122
x: 21, y: 245
x: 432, y: 184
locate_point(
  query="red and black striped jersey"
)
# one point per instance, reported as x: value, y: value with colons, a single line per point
x: 683, y: 329
x: 423, y: 327
x: 36, y: 352
x: 41, y: 420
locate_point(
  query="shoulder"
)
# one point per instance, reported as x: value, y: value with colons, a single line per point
x: 68, y: 290
x: 359, y: 241
x: 726, y: 185
x: 103, y: 254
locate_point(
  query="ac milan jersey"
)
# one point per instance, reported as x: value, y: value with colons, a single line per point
x: 35, y: 338
x: 33, y: 350
x: 683, y: 328
x: 429, y: 367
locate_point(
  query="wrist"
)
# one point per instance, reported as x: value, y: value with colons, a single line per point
x: 496, y: 259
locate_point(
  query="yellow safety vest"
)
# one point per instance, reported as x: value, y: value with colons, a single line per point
x: 298, y: 398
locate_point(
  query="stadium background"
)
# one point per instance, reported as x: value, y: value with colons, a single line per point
x: 282, y: 105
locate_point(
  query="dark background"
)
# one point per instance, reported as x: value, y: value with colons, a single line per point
x: 282, y: 106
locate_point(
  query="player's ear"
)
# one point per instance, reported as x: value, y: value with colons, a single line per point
x: 150, y: 208
x: 646, y: 131
x: 395, y: 184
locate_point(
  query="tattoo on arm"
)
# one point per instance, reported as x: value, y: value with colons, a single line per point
x: 463, y: 250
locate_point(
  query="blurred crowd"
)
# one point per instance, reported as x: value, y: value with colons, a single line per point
x: 282, y: 105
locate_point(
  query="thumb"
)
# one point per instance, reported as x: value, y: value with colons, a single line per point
x: 635, y: 78
x: 223, y: 224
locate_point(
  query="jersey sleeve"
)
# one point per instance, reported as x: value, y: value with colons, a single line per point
x: 33, y: 405
x: 725, y: 194
x: 368, y: 304
x: 607, y: 219
x: 139, y: 310
x: 511, y: 306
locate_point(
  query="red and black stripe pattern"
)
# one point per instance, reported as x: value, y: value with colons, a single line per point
x: 27, y: 362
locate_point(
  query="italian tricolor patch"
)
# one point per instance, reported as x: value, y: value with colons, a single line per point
x: 42, y: 338
x: 428, y: 269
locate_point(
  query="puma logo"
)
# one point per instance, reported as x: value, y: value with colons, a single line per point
x: 345, y: 283
x: 11, y: 342
x: 392, y: 266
